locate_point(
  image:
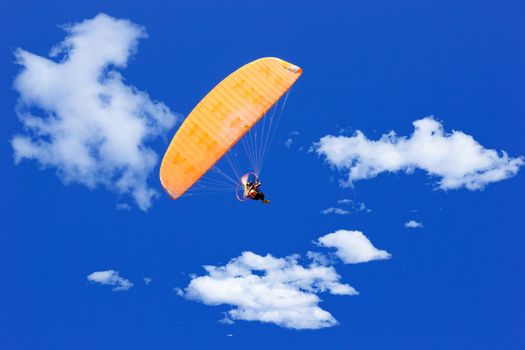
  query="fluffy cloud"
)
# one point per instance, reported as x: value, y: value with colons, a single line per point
x: 413, y: 224
x: 269, y: 289
x: 79, y: 116
x: 352, y: 247
x: 111, y: 278
x: 456, y: 158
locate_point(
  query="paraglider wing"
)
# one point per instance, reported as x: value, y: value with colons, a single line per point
x: 222, y: 118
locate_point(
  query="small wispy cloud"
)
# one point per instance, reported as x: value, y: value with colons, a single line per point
x: 413, y: 224
x: 354, y: 205
x: 147, y: 280
x: 289, y: 141
x: 123, y: 206
x: 111, y: 278
x: 333, y: 210
x: 350, y: 207
x: 457, y: 159
x: 82, y: 119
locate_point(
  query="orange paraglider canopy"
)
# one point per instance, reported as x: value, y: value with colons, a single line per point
x: 222, y: 118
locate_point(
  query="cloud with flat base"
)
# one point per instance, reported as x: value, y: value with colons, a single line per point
x: 456, y: 159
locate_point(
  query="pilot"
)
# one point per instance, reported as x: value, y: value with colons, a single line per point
x: 252, y: 190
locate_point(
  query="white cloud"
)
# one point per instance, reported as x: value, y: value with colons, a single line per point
x: 362, y: 207
x: 350, y: 205
x: 320, y: 258
x: 337, y: 211
x: 123, y: 206
x: 413, y: 224
x: 289, y: 141
x: 269, y: 289
x: 354, y: 206
x: 82, y: 119
x: 147, y: 280
x: 458, y: 159
x: 111, y: 278
x: 352, y: 247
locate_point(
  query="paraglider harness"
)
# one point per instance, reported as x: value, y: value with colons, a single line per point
x: 253, y: 191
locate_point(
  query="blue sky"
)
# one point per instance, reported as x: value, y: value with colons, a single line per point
x: 457, y: 282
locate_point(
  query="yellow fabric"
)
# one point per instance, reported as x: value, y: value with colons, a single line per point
x: 222, y: 118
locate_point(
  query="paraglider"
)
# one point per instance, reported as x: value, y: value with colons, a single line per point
x: 253, y: 192
x: 220, y: 120
x: 249, y: 187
